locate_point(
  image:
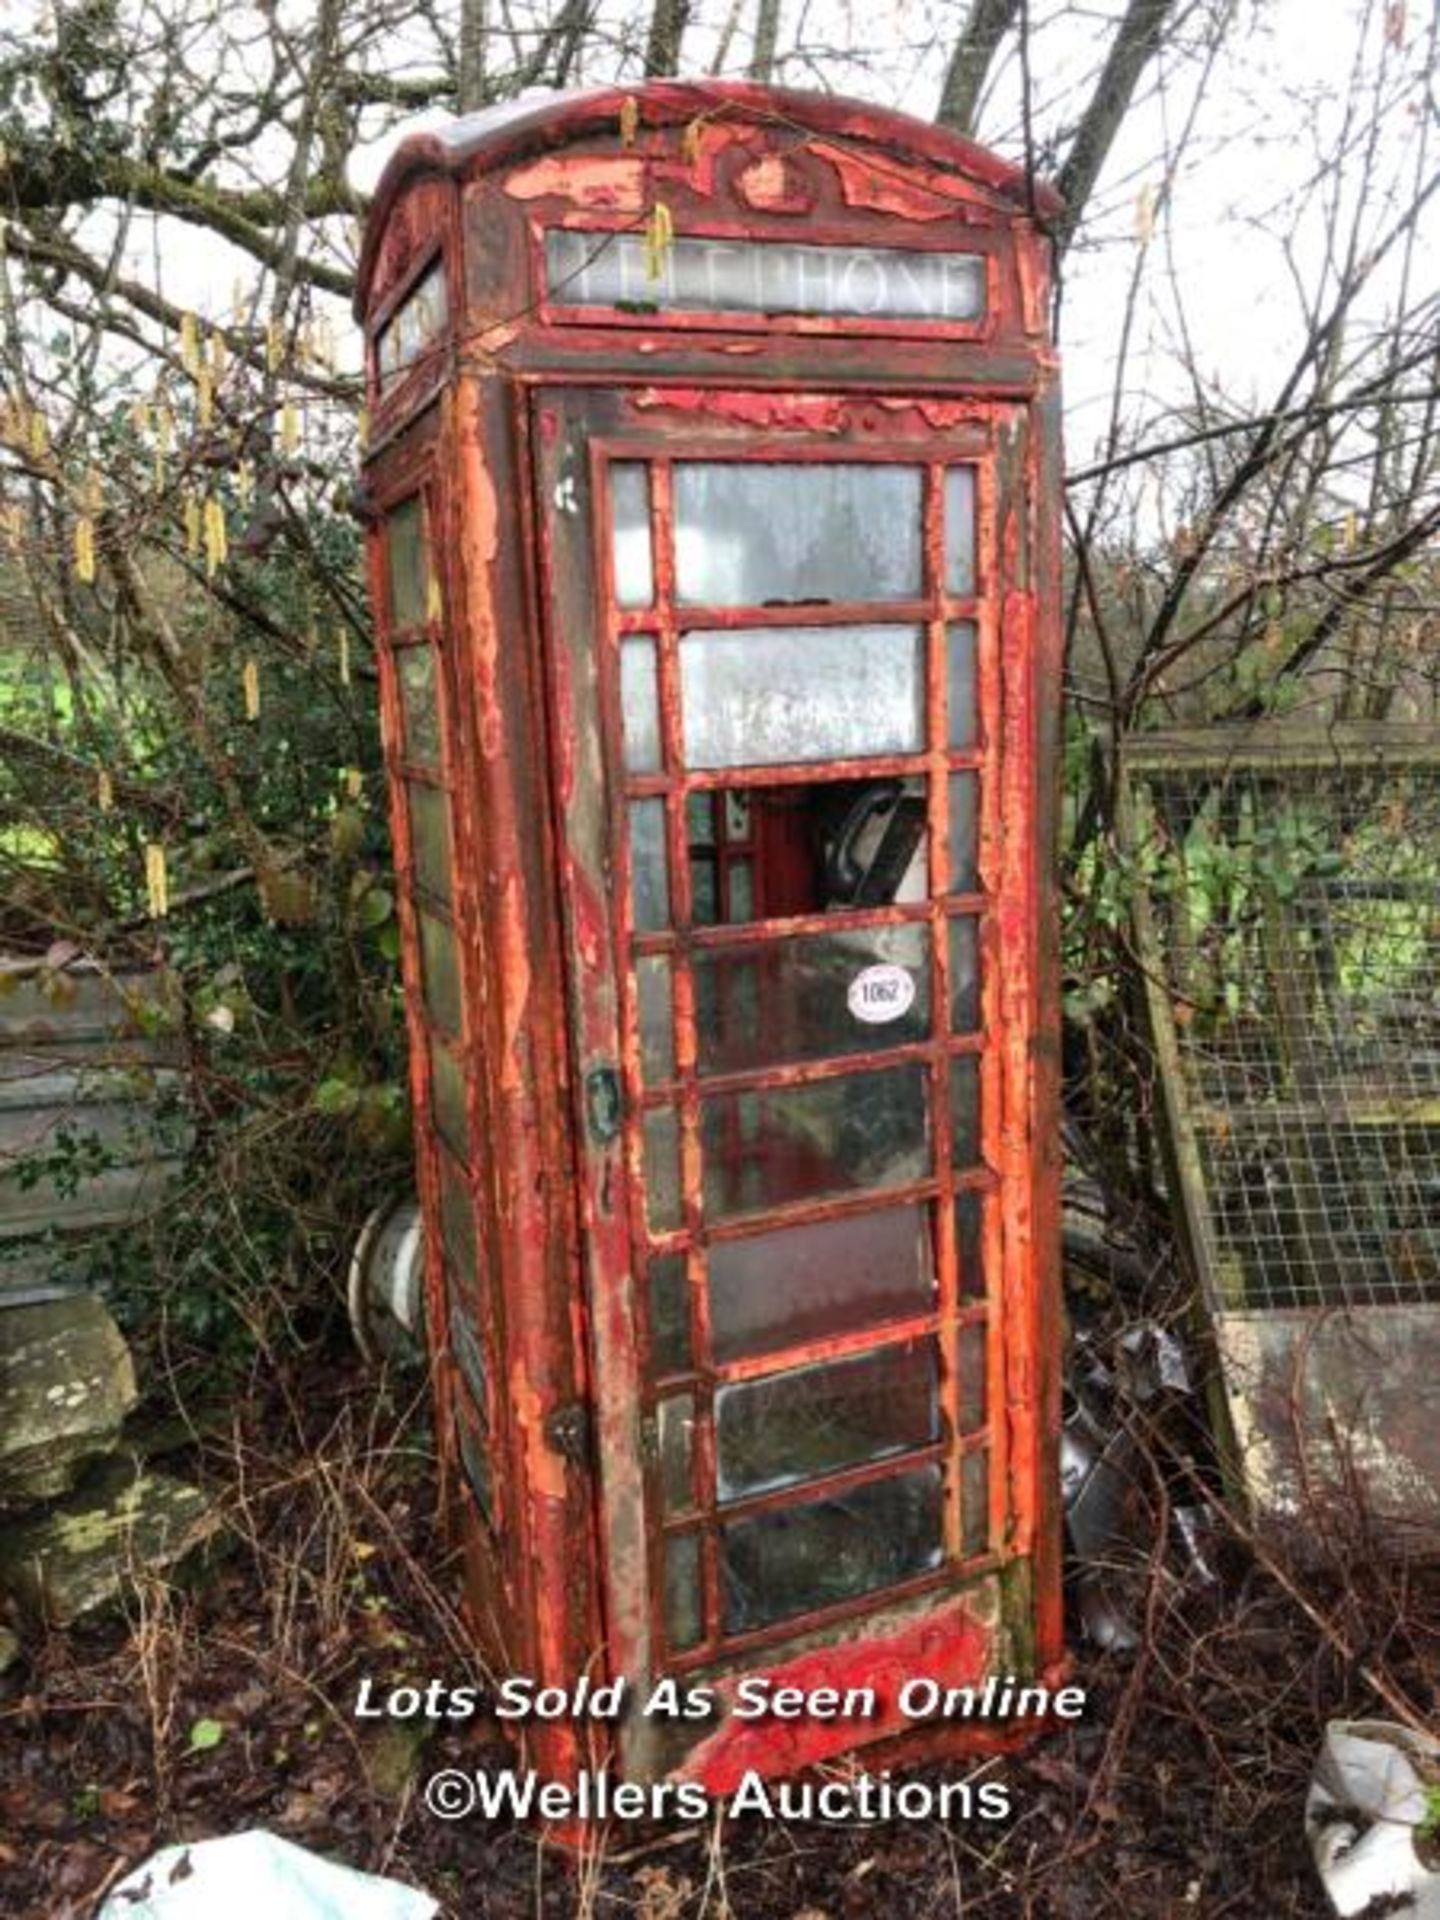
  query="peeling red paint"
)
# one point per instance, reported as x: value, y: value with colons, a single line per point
x: 820, y: 412
x: 725, y: 111
x: 943, y: 415
x: 613, y: 181
x: 769, y: 184
x: 704, y: 143
x: 408, y: 239
x: 546, y: 1467
x: 876, y: 183
x: 1033, y: 267
x: 513, y: 946
x: 948, y: 1645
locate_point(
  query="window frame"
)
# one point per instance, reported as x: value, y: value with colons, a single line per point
x: 970, y: 1544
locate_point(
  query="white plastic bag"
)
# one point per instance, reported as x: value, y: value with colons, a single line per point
x: 1367, y: 1797
x: 246, y: 1874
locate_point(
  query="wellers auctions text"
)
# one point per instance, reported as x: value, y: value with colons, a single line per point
x: 754, y: 1697
x: 455, y: 1794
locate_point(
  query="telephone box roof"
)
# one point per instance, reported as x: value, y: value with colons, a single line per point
x: 534, y: 123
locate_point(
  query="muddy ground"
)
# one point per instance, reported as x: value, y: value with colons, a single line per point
x: 227, y: 1705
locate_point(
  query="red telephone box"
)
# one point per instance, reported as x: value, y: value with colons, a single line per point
x: 714, y: 476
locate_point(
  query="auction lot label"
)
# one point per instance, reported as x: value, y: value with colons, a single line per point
x: 456, y: 1793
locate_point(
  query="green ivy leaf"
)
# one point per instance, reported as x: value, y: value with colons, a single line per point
x: 336, y: 1096
x: 376, y: 907
x: 205, y: 1734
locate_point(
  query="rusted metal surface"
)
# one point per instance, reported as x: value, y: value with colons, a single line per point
x: 511, y: 422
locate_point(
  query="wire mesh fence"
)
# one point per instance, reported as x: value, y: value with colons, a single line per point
x: 1289, y: 921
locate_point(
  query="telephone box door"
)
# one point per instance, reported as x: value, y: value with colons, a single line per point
x: 776, y: 640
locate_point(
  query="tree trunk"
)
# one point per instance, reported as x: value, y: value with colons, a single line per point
x: 988, y: 23
x: 667, y: 30
x: 767, y: 34
x: 1135, y: 43
x: 472, y: 89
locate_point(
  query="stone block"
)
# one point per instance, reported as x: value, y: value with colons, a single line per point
x: 66, y: 1384
x: 80, y: 1554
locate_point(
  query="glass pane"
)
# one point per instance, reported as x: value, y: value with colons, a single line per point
x: 682, y: 1590
x: 807, y: 1421
x: 474, y: 1458
x: 960, y: 530
x: 704, y: 890
x: 440, y: 972
x: 960, y: 675
x: 447, y: 1093
x: 965, y: 1111
x: 649, y: 883
x: 749, y: 534
x: 700, y: 819
x: 465, y: 1345
x: 811, y: 997
x: 419, y: 318
x: 964, y: 975
x: 430, y: 839
x: 640, y: 705
x: 675, y: 1424
x: 826, y: 1551
x: 457, y: 1223
x: 970, y: 1368
x: 740, y: 878
x: 860, y: 1131
x: 773, y: 1290
x: 695, y: 275
x: 416, y: 669
x: 964, y: 851
x: 662, y: 1169
x: 630, y: 503
x: 407, y: 562
x: 970, y: 1245
x: 669, y: 1314
x: 975, y: 1503
x: 757, y: 696
x: 657, y: 1033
